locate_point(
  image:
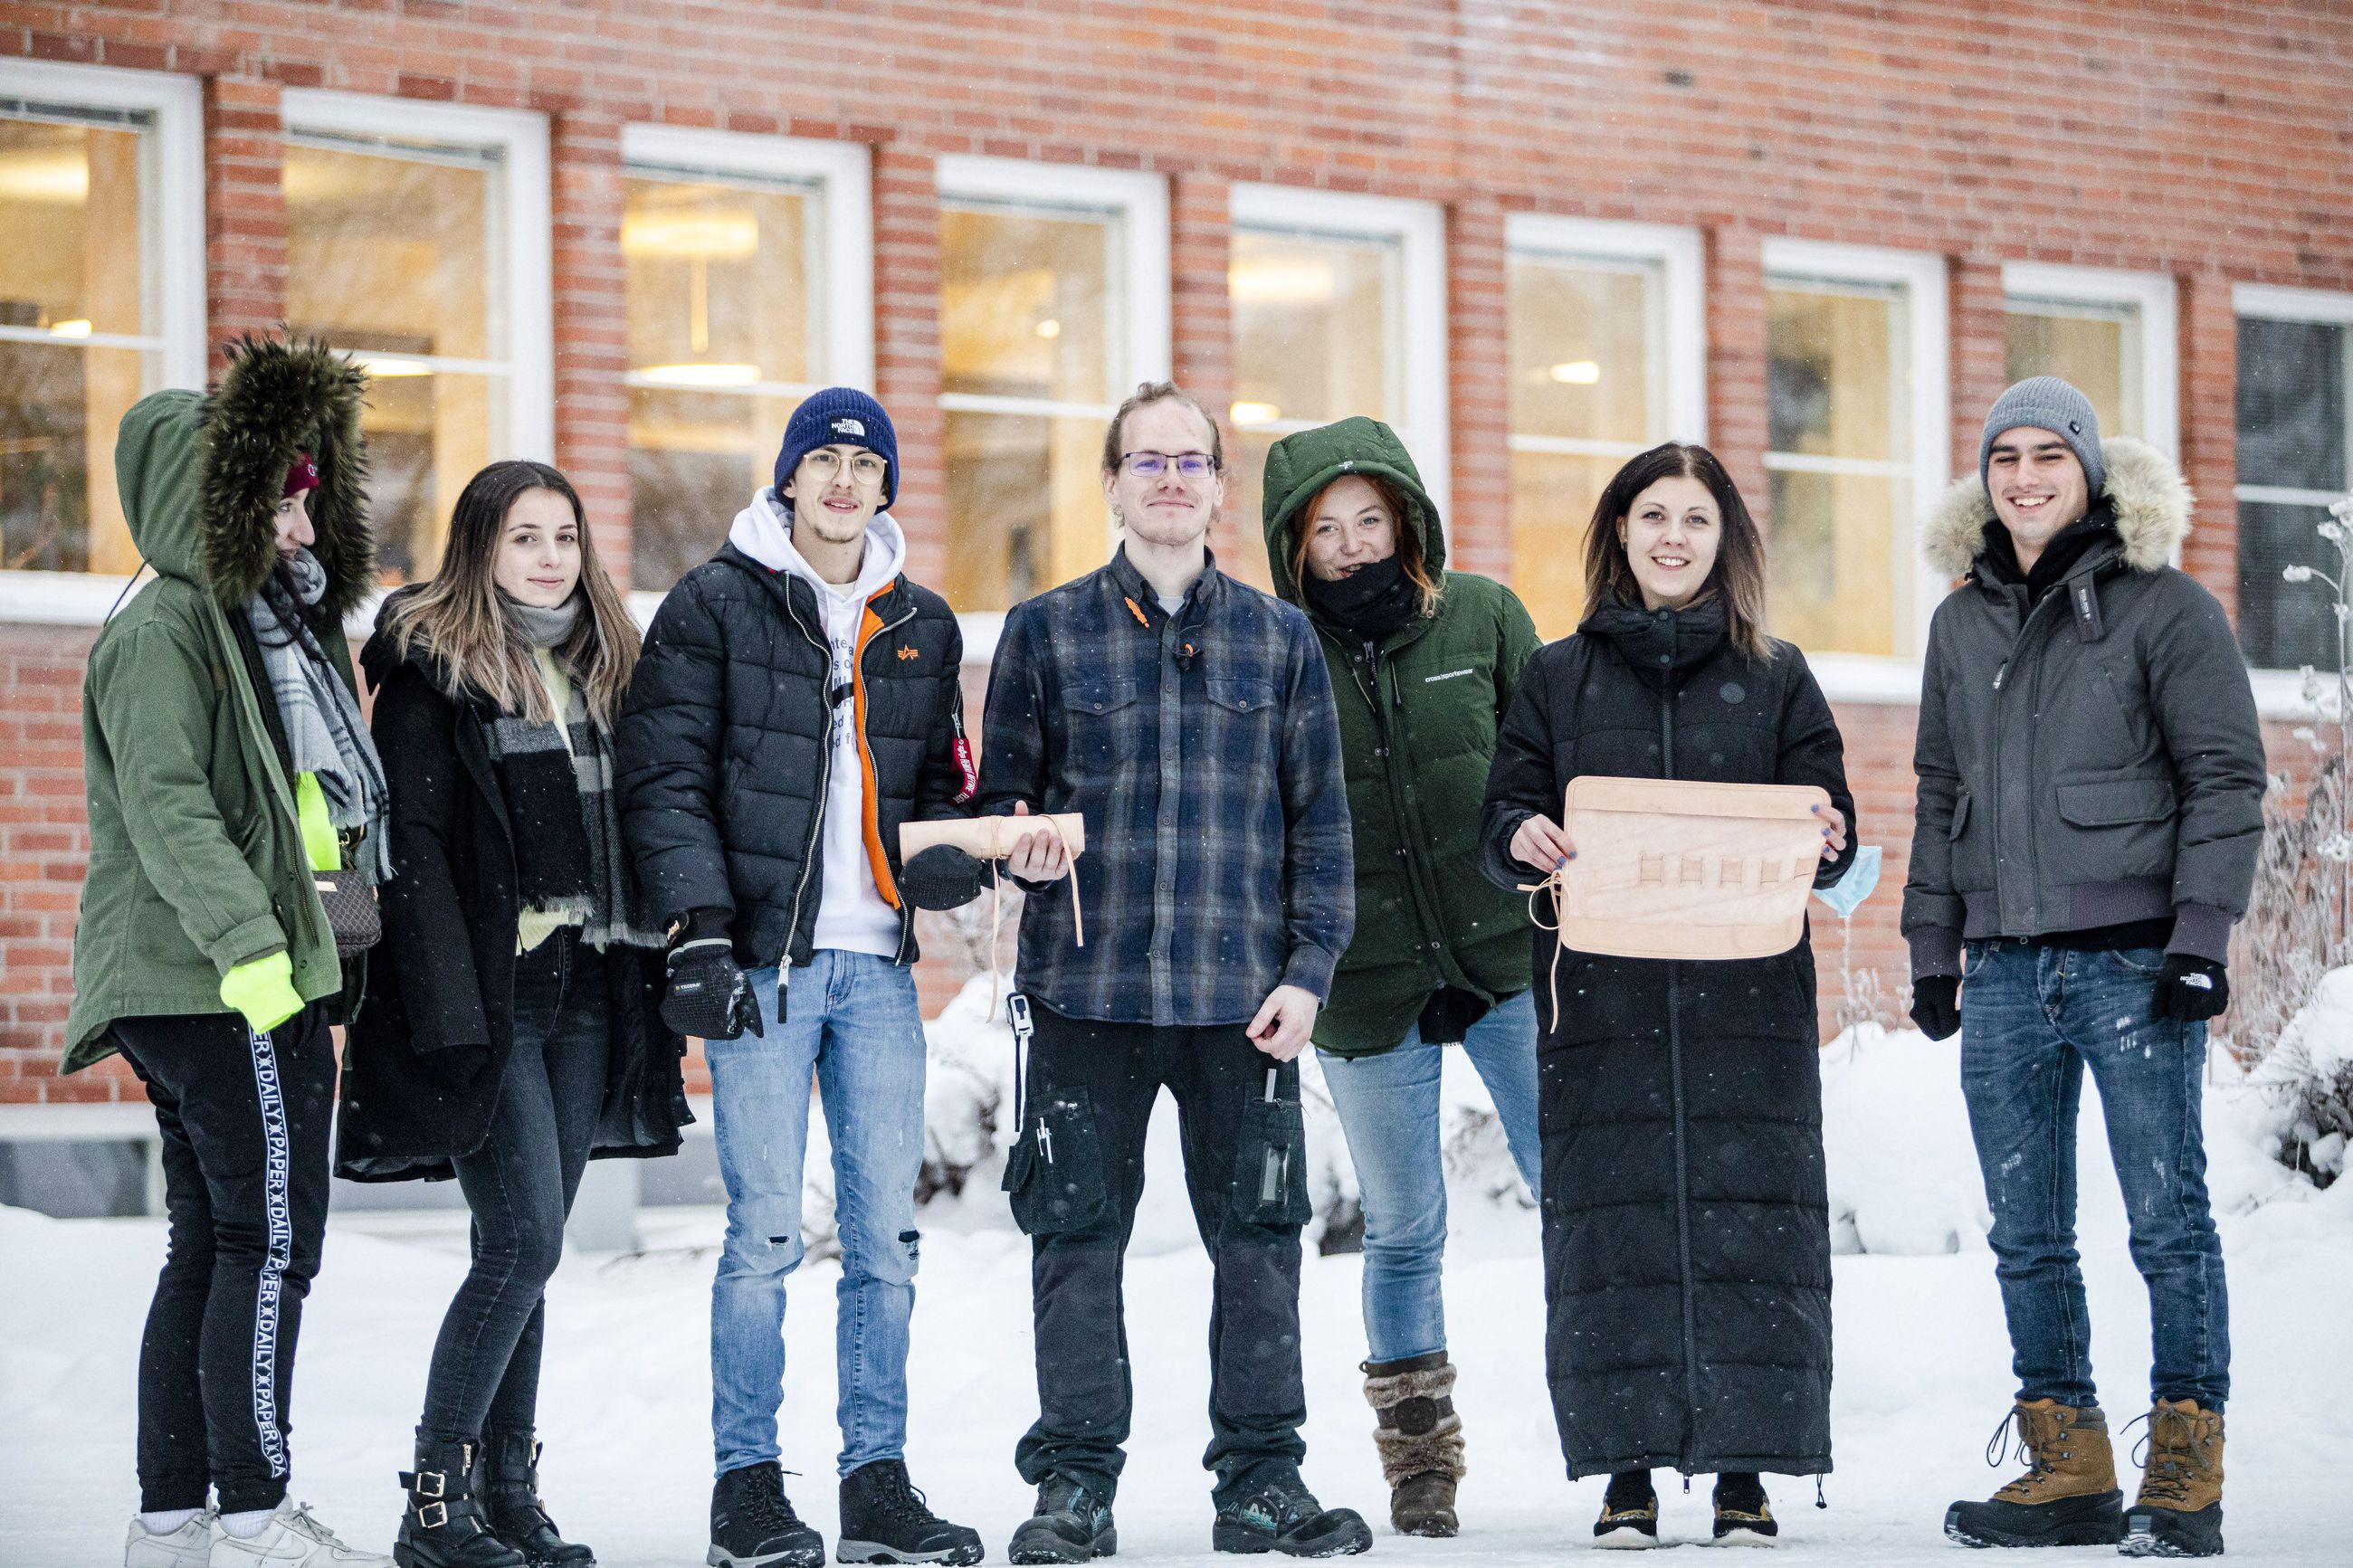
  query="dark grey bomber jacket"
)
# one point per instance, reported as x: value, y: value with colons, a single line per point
x: 2093, y: 761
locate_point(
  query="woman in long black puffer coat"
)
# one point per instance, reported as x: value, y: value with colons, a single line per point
x: 1686, y: 1230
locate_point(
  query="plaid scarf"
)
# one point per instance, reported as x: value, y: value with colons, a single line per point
x: 572, y: 861
x: 324, y: 734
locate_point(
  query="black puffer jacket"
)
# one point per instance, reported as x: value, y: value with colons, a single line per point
x: 723, y: 754
x: 429, y: 1050
x: 1686, y: 1228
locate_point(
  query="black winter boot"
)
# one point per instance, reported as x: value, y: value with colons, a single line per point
x: 1069, y: 1524
x: 1630, y: 1513
x: 885, y: 1519
x: 511, y: 1492
x: 1280, y: 1514
x: 1743, y: 1518
x: 444, y: 1525
x: 752, y: 1525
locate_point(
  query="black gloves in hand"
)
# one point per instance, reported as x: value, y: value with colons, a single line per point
x: 2192, y: 989
x: 708, y: 997
x: 942, y: 877
x: 1936, y: 1006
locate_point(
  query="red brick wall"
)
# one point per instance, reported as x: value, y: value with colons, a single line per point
x: 2205, y: 140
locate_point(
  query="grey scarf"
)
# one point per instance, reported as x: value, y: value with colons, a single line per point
x: 324, y: 734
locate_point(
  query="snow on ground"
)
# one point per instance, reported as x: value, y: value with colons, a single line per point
x: 1921, y: 1360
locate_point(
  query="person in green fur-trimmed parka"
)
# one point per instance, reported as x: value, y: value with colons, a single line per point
x: 226, y: 762
x: 1424, y: 662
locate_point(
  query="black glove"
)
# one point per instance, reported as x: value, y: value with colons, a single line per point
x: 942, y: 877
x: 1936, y: 1006
x: 2192, y: 989
x: 708, y: 997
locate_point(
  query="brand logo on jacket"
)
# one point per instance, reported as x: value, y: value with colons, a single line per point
x: 1434, y: 679
x: 909, y: 653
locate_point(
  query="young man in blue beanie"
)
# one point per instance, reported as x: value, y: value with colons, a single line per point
x: 796, y: 702
x: 2090, y: 807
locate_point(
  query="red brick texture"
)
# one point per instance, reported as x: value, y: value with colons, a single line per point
x: 2205, y: 140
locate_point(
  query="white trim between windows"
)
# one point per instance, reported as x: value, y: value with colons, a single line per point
x: 2274, y: 302
x: 2151, y: 295
x: 1677, y: 252
x: 1927, y: 351
x: 1425, y: 382
x: 521, y: 138
x: 1142, y: 302
x: 843, y: 172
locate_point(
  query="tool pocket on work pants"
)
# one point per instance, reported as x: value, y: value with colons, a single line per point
x: 1270, y: 1180
x: 1054, y: 1173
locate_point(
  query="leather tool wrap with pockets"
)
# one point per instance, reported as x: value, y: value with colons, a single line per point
x: 1055, y: 1172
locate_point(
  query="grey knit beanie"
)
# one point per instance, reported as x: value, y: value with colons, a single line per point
x: 2047, y: 402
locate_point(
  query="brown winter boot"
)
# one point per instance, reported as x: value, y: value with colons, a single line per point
x: 2179, y: 1510
x: 1420, y: 1440
x: 2067, y: 1497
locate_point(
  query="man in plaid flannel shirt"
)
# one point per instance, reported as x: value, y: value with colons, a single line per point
x: 1188, y: 719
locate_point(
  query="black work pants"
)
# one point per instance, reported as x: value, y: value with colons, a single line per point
x: 1075, y: 1178
x: 246, y: 1118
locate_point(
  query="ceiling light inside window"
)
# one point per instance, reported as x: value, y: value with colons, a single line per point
x: 384, y: 367
x: 700, y: 374
x: 1255, y: 412
x: 1050, y: 328
x: 1576, y: 373
x: 77, y: 328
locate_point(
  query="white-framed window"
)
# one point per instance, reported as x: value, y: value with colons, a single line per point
x: 1053, y: 305
x: 101, y: 301
x: 417, y: 237
x: 1608, y: 358
x: 2295, y: 458
x: 2110, y: 334
x: 1857, y: 421
x: 749, y: 266
x: 1339, y: 308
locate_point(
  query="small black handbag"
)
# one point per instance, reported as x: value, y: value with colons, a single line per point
x: 349, y: 898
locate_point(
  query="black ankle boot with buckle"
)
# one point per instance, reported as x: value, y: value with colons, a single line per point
x: 511, y: 1497
x: 444, y: 1525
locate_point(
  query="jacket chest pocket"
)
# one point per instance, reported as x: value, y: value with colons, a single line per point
x: 1099, y: 718
x: 1268, y: 1189
x: 1055, y: 1175
x: 1241, y: 721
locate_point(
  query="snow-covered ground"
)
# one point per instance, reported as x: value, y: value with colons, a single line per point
x: 1923, y: 1365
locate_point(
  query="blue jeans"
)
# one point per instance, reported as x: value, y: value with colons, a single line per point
x: 2031, y: 1017
x: 854, y: 1025
x: 1389, y: 1109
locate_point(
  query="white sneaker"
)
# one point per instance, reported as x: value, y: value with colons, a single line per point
x: 291, y: 1540
x: 190, y: 1546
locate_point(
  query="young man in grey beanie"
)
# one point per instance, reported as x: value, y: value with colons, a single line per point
x: 796, y: 702
x: 2090, y: 807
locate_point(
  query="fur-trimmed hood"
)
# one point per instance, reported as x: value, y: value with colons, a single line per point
x: 278, y: 398
x: 2152, y: 505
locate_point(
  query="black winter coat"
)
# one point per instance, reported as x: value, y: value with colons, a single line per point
x: 723, y: 748
x: 428, y: 1051
x: 1686, y: 1226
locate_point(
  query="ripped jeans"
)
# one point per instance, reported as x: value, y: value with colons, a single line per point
x: 852, y: 1025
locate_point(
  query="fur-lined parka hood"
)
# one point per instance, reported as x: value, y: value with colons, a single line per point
x: 2152, y: 505
x: 232, y: 448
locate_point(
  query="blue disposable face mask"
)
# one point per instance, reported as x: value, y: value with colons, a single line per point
x: 1846, y: 894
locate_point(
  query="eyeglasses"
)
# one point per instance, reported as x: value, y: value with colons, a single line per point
x: 864, y: 467
x: 1152, y: 464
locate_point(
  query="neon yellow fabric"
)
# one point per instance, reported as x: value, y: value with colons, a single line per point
x: 263, y: 989
x: 318, y: 832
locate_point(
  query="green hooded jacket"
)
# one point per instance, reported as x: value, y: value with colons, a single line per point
x: 197, y: 862
x: 1418, y: 719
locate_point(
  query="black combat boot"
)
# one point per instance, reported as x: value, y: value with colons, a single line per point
x: 444, y: 1525
x: 1280, y: 1514
x: 510, y: 1493
x: 885, y: 1519
x: 1069, y: 1524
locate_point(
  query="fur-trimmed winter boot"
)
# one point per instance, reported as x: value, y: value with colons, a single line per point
x: 511, y: 1494
x: 2067, y: 1497
x: 444, y: 1525
x: 2179, y: 1510
x: 1420, y: 1440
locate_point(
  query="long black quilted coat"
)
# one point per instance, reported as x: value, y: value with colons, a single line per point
x: 1687, y: 1232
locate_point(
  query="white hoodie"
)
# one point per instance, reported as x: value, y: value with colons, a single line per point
x: 851, y: 914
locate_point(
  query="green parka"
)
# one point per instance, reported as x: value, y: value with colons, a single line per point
x: 197, y: 863
x: 1418, y: 719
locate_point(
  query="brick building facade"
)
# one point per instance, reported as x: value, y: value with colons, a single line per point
x: 2176, y: 170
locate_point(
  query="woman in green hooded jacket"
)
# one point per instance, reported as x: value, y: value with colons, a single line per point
x: 1424, y: 662
x: 227, y: 763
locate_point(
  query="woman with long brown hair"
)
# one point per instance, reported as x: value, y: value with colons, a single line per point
x: 513, y: 1029
x: 1687, y: 1227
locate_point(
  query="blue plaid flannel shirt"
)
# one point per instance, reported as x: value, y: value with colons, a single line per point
x: 1203, y: 751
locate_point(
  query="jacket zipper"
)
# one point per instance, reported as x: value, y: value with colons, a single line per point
x: 1675, y: 1089
x: 2000, y: 730
x: 874, y: 781
x: 1369, y: 681
x: 812, y: 852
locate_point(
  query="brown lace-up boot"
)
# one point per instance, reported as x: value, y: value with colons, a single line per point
x: 2067, y: 1497
x: 1420, y: 1440
x: 2179, y: 1510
